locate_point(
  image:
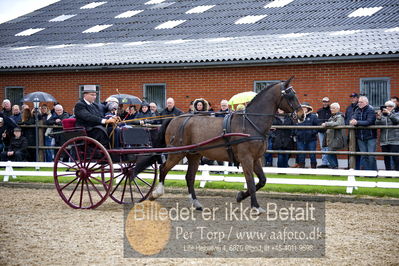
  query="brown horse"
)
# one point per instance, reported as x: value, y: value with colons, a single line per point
x: 255, y: 120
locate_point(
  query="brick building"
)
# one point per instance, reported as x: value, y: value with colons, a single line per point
x: 213, y: 49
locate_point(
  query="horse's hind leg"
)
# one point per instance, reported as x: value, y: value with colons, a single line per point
x: 193, y: 164
x: 172, y: 160
x: 259, y: 173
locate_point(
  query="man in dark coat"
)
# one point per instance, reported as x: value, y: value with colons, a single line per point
x: 366, y: 138
x: 171, y: 109
x: 283, y: 139
x: 18, y: 148
x: 224, y: 109
x: 90, y: 116
x: 351, y: 108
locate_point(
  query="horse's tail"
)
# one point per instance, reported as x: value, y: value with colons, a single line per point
x: 160, y: 142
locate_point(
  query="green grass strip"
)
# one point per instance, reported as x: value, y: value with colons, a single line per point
x: 376, y: 192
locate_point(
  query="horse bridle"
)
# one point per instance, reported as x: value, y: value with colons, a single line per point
x: 288, y: 94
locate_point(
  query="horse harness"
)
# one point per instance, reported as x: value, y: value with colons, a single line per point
x: 288, y: 93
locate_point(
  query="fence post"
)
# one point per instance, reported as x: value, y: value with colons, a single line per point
x: 41, y: 142
x: 352, y: 148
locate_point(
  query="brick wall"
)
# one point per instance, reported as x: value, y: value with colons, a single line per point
x: 312, y: 82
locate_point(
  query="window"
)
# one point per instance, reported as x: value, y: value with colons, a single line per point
x: 377, y: 90
x: 260, y: 85
x: 97, y: 89
x: 14, y: 94
x: 155, y: 93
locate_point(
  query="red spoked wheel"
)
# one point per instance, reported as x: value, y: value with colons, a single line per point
x: 130, y: 189
x: 83, y: 173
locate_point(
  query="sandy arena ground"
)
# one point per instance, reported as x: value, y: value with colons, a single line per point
x: 36, y: 227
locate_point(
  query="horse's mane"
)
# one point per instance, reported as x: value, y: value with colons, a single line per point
x: 261, y: 93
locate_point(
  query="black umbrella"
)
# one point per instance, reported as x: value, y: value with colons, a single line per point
x: 127, y: 99
x: 38, y: 96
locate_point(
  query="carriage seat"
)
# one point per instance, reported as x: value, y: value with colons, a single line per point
x: 70, y: 130
x: 135, y: 137
x: 68, y: 123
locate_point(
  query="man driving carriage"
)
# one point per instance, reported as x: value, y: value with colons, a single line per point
x: 90, y: 115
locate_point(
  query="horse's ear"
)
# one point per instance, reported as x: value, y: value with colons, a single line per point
x: 288, y: 81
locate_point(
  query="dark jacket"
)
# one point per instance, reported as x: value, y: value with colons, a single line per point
x: 88, y: 115
x: 144, y: 115
x: 16, y: 118
x: 349, y: 112
x: 5, y: 141
x: 155, y: 121
x: 283, y: 138
x: 365, y: 117
x: 174, y: 112
x: 389, y: 136
x: 54, y: 117
x: 308, y: 135
x: 323, y: 115
x: 59, y: 138
x: 29, y: 132
x: 7, y: 112
x: 20, y: 144
x: 222, y: 113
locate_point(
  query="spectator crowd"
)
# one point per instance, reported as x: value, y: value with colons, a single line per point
x: 16, y: 138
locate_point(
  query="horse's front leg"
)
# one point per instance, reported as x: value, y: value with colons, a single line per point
x: 193, y: 164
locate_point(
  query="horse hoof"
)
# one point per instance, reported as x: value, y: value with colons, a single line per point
x: 258, y: 210
x: 151, y: 198
x: 240, y: 196
x: 196, y: 204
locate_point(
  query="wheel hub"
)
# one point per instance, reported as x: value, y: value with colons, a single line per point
x: 83, y: 173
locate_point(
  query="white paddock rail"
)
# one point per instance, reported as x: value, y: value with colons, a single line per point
x: 206, y: 175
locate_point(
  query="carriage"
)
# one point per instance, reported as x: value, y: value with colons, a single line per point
x: 86, y: 173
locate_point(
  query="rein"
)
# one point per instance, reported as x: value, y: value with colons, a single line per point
x: 287, y: 93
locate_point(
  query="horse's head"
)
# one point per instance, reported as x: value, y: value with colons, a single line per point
x: 289, y: 102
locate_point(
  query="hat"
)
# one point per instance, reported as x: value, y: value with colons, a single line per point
x: 354, y: 94
x: 307, y: 105
x: 112, y: 99
x: 112, y: 106
x: 144, y: 103
x: 17, y: 129
x: 89, y: 88
x: 390, y: 103
x: 325, y: 99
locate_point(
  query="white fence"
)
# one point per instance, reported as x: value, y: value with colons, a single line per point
x: 206, y: 175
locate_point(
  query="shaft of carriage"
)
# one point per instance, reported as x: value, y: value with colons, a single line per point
x: 86, y: 173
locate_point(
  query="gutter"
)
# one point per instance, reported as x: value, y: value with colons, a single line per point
x: 210, y: 64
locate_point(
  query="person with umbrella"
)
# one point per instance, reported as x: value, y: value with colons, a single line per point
x: 90, y: 116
